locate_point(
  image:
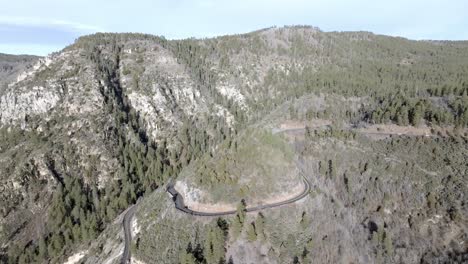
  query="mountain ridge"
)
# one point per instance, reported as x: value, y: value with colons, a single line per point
x: 111, y: 118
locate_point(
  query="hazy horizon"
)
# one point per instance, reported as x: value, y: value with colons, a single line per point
x: 50, y: 25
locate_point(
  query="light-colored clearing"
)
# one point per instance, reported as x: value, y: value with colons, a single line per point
x: 75, y: 258
x: 136, y: 261
x: 396, y: 130
x: 135, y: 226
x: 297, y: 124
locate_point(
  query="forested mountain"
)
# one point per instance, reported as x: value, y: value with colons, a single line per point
x: 377, y: 124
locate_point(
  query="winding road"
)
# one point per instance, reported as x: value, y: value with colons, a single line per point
x: 128, y: 233
x: 180, y: 205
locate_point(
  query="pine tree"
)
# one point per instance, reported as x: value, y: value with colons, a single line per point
x: 214, y: 247
x: 251, y: 234
x: 322, y: 168
x: 416, y: 114
x: 13, y: 253
x: 236, y: 227
x: 388, y: 244
x: 186, y: 258
x: 42, y: 248
x: 260, y: 226
x: 331, y: 169
x: 304, y: 221
x: 241, y: 211
x: 402, y: 116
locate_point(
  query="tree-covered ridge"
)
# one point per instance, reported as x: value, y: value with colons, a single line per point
x: 445, y: 109
x: 286, y: 63
x: 253, y: 165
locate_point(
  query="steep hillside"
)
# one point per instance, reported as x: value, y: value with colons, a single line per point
x: 13, y: 65
x: 78, y: 132
x: 256, y: 166
x: 377, y: 124
x: 371, y: 202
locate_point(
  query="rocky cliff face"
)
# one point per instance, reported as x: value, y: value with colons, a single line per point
x: 88, y: 113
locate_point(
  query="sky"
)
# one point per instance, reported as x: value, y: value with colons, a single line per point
x: 41, y: 27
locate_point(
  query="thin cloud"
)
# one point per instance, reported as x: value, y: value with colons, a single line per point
x: 53, y: 23
x: 31, y: 35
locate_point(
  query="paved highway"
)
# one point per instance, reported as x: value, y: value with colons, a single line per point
x: 128, y: 233
x: 180, y: 205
